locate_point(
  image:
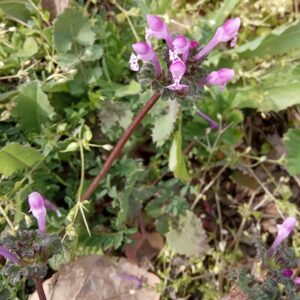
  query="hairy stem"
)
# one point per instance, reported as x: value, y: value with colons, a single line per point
x: 120, y: 145
x: 39, y: 288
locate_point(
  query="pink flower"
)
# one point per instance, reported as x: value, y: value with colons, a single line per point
x: 182, y: 45
x: 284, y: 230
x: 38, y: 209
x: 8, y: 255
x: 177, y: 69
x: 158, y: 29
x: 144, y: 52
x: 225, y: 33
x: 297, y: 280
x: 220, y: 77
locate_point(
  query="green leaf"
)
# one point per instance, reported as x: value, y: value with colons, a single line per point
x: 221, y: 14
x: 112, y: 113
x: 15, y: 157
x: 30, y: 48
x: 164, y: 124
x: 18, y: 9
x: 176, y: 157
x: 274, y: 98
x: 93, y: 53
x: 279, y: 41
x: 189, y: 238
x: 72, y: 28
x: 33, y: 108
x: 292, y: 141
x: 132, y: 88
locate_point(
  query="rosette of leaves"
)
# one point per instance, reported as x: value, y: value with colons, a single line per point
x: 34, y: 249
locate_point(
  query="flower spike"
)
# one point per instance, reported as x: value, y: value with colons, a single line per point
x: 144, y: 52
x: 159, y: 29
x: 177, y: 69
x: 220, y: 77
x: 225, y: 33
x: 8, y: 255
x: 38, y: 209
x: 284, y: 230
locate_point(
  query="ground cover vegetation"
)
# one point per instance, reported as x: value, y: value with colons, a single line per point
x: 166, y: 132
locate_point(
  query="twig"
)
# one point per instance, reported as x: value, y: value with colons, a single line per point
x: 121, y: 143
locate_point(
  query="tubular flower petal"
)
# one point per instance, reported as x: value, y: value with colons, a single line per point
x: 144, y: 52
x: 284, y: 230
x: 220, y: 77
x: 177, y: 69
x: 50, y: 205
x: 182, y: 45
x: 213, y: 124
x: 159, y: 29
x: 38, y: 209
x: 8, y: 255
x: 225, y: 33
x: 287, y: 273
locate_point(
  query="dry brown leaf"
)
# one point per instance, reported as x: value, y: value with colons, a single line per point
x: 145, y: 247
x: 55, y: 7
x: 99, y: 278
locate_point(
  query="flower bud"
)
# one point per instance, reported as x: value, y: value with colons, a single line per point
x: 284, y: 230
x: 220, y: 77
x: 8, y: 255
x: 38, y: 209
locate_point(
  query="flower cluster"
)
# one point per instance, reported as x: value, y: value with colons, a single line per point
x: 183, y: 57
x: 186, y: 75
x: 38, y: 207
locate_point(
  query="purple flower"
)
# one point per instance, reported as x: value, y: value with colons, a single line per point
x: 38, y: 209
x: 50, y: 205
x: 284, y: 230
x: 213, y: 124
x: 158, y: 29
x: 225, y: 33
x: 182, y: 45
x: 177, y: 69
x: 297, y: 280
x: 287, y: 273
x: 220, y: 77
x: 9, y: 255
x: 144, y: 52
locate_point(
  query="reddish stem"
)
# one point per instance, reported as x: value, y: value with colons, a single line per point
x: 120, y: 145
x: 39, y: 288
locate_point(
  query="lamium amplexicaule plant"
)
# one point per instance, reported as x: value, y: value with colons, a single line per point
x: 27, y: 251
x: 175, y: 70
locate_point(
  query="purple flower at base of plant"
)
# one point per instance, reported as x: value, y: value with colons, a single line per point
x: 177, y: 69
x: 284, y: 230
x: 144, y: 52
x: 220, y: 78
x: 38, y: 209
x: 158, y: 29
x: 228, y: 31
x: 213, y: 124
x: 287, y: 273
x: 8, y: 255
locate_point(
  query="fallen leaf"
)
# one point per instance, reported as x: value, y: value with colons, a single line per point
x: 97, y: 277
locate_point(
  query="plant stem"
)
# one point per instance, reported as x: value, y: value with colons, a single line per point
x: 39, y: 288
x: 121, y: 143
